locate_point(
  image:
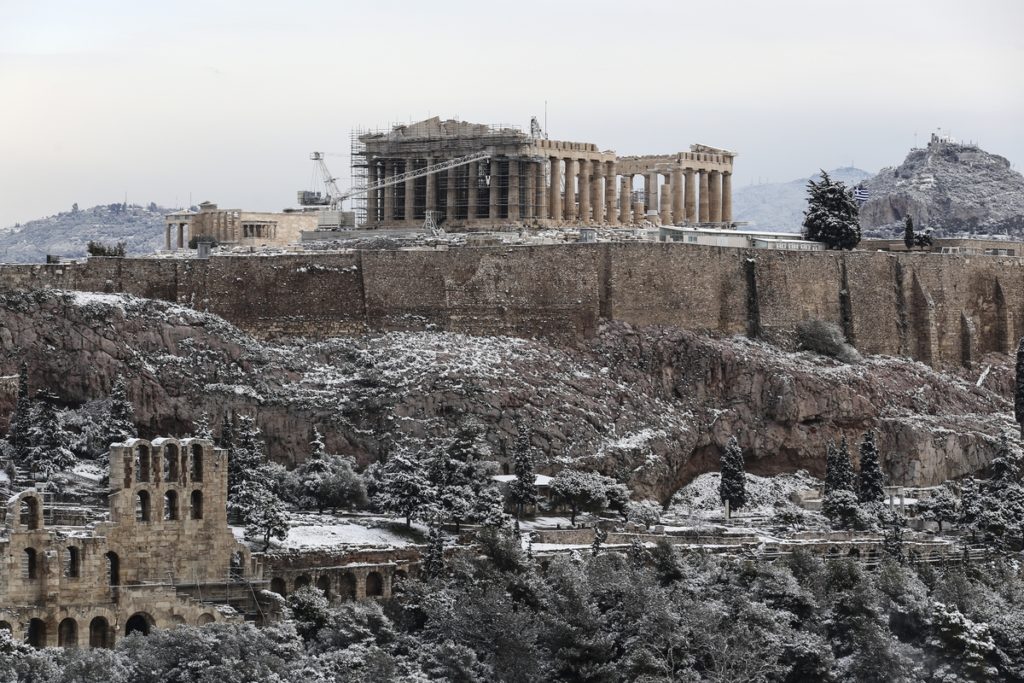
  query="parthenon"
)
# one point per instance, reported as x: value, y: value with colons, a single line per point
x: 531, y: 180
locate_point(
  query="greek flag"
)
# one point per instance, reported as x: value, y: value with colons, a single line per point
x: 860, y: 194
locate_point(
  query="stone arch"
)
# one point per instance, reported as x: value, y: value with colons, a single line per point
x: 100, y: 634
x: 196, y: 504
x: 170, y: 462
x: 113, y: 569
x: 277, y: 585
x: 36, y: 635
x: 140, y: 622
x: 143, y: 462
x: 30, y: 564
x: 323, y: 582
x: 374, y: 585
x: 30, y: 510
x: 205, y: 618
x: 72, y: 562
x: 67, y: 633
x: 177, y: 620
x: 302, y: 580
x: 347, y: 586
x: 170, y: 505
x: 143, y: 506
x: 196, y: 462
x: 854, y: 553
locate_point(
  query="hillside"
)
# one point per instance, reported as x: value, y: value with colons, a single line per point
x: 141, y: 228
x: 953, y: 187
x: 779, y: 207
x: 653, y: 406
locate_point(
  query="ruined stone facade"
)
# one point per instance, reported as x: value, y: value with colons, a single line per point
x: 166, y: 540
x: 528, y: 179
x: 234, y: 227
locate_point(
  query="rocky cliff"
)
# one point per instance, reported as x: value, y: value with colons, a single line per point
x: 653, y: 406
x: 954, y: 187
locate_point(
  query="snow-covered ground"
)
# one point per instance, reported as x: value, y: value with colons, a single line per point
x: 328, y: 531
x: 764, y: 494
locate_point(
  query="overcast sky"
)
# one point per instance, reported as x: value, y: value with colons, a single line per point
x: 224, y: 100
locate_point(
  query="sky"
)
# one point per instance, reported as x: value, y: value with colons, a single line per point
x: 223, y: 100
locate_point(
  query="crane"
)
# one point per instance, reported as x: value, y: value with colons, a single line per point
x: 335, y: 196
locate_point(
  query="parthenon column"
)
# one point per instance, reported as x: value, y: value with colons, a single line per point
x: 691, y: 196
x: 389, y: 192
x: 556, y: 189
x: 371, y: 196
x: 410, y: 193
x: 513, y: 189
x: 625, y: 195
x: 704, y: 205
x: 678, y: 214
x: 609, y: 194
x: 531, y: 188
x: 716, y: 197
x: 431, y: 204
x: 585, y: 190
x: 650, y: 192
x: 492, y: 209
x: 570, y: 190
x: 449, y: 196
x: 666, y: 204
x: 727, y: 197
x: 471, y: 189
x: 542, y: 191
x: 597, y: 192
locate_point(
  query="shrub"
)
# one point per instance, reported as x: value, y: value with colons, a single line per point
x: 827, y: 339
x: 100, y: 249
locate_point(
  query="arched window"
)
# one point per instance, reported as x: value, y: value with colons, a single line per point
x: 347, y: 587
x: 143, y: 462
x: 113, y: 569
x: 205, y: 618
x: 171, y: 462
x: 31, y: 514
x: 142, y: 507
x: 374, y: 585
x: 324, y: 584
x: 197, y: 462
x: 277, y: 586
x: 302, y: 581
x: 29, y: 570
x: 171, y: 505
x: 72, y: 562
x: 37, y: 633
x: 99, y: 633
x: 140, y: 622
x: 67, y: 633
x: 197, y: 504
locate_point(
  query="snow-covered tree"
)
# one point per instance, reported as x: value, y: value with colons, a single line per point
x: 21, y: 418
x: 120, y: 422
x: 326, y: 480
x: 261, y: 511
x: 1018, y: 393
x: 908, y: 233
x: 433, y: 560
x: 941, y: 507
x: 202, y: 429
x: 49, y: 446
x: 871, y: 484
x: 732, y: 486
x: 251, y: 495
x: 600, y: 536
x: 838, y: 469
x: 646, y: 513
x: 831, y: 215
x: 402, y: 487
x: 579, y: 491
x: 523, y: 489
x: 227, y: 432
x: 463, y: 488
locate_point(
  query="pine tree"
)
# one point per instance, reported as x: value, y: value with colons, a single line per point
x: 831, y: 215
x: 326, y: 480
x: 120, y: 423
x: 433, y: 560
x: 523, y: 489
x: 838, y: 469
x: 871, y: 487
x: 908, y: 233
x: 49, y: 447
x: 403, y: 487
x: 1018, y: 393
x: 21, y: 418
x: 732, y: 486
x: 227, y: 432
x: 201, y: 429
x: 251, y: 495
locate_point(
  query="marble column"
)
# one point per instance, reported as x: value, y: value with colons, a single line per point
x: 542, y: 191
x: 666, y: 204
x: 650, y: 192
x: 556, y: 189
x: 513, y: 189
x: 389, y: 192
x: 449, y: 196
x: 597, y: 192
x: 715, y: 210
x: 570, y: 190
x: 691, y: 197
x: 371, y: 196
x: 495, y: 196
x: 625, y: 195
x: 609, y: 194
x: 678, y: 214
x: 472, y: 191
x: 727, y: 197
x: 181, y: 235
x: 703, y: 216
x: 167, y: 236
x: 530, y: 175
x: 410, y: 193
x: 585, y: 191
x: 431, y: 204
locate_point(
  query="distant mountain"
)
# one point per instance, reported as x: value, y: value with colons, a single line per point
x: 141, y: 228
x: 779, y: 207
x: 949, y: 186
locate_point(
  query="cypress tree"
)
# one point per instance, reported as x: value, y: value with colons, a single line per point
x: 831, y: 215
x: 908, y: 233
x: 49, y: 448
x: 872, y: 481
x: 733, y: 484
x: 523, y: 489
x: 838, y: 470
x: 1018, y: 394
x: 120, y: 423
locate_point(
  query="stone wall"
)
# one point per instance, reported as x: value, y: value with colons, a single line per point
x: 940, y: 309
